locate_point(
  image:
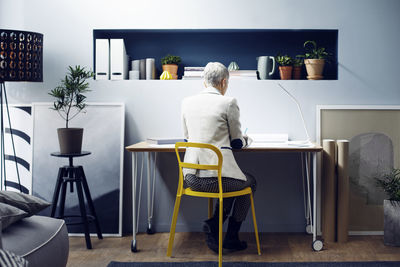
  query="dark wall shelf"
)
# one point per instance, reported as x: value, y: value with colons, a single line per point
x: 197, y: 47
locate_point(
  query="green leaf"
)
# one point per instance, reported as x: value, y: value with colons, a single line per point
x: 69, y: 95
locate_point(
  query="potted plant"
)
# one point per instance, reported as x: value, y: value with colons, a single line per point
x: 298, y: 63
x: 390, y: 183
x: 285, y: 66
x: 170, y: 64
x: 314, y: 60
x: 70, y: 101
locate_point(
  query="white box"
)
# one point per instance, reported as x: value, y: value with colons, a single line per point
x: 102, y: 59
x: 118, y: 60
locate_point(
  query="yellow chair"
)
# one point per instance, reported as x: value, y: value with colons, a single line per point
x: 220, y: 195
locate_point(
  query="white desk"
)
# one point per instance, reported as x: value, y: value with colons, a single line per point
x: 306, y: 154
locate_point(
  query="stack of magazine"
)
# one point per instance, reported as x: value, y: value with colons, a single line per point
x: 243, y: 74
x: 163, y: 140
x: 193, y: 73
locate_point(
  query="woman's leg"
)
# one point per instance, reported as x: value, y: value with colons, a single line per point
x: 240, y: 209
x: 242, y: 203
x: 239, y: 213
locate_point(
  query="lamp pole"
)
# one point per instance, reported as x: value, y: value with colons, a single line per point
x: 4, y: 156
x: 21, y: 60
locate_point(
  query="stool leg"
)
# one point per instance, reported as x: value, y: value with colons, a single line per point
x: 57, y: 191
x: 90, y: 201
x: 83, y: 213
x: 62, y: 200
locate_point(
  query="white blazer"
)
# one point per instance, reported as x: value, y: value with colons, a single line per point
x: 212, y: 118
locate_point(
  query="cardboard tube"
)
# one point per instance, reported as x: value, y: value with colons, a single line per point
x: 343, y: 190
x: 328, y: 191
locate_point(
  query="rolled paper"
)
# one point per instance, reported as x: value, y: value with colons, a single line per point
x: 328, y: 191
x: 142, y: 69
x: 150, y: 68
x: 134, y: 75
x: 343, y: 190
x: 135, y: 64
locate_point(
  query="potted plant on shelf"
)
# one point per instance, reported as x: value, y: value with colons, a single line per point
x: 170, y: 64
x: 390, y: 183
x: 285, y: 66
x: 315, y: 58
x: 298, y: 63
x: 70, y: 101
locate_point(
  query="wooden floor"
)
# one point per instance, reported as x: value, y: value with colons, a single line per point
x: 191, y: 247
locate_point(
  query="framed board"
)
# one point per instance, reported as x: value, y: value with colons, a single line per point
x: 21, y: 127
x: 374, y: 149
x: 103, y: 136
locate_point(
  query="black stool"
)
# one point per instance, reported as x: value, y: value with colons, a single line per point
x: 74, y: 174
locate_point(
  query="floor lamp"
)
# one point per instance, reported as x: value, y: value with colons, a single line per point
x: 21, y: 60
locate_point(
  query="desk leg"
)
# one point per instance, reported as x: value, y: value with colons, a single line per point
x: 317, y: 245
x: 151, y: 169
x: 306, y: 192
x: 134, y: 178
x: 136, y: 207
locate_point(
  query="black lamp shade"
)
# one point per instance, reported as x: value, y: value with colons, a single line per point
x: 21, y: 56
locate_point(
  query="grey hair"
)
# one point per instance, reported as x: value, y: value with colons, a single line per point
x: 214, y: 73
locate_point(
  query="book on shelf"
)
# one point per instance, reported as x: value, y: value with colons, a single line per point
x: 163, y: 140
x: 193, y: 73
x: 237, y: 77
x: 192, y: 78
x: 194, y: 68
x: 250, y: 73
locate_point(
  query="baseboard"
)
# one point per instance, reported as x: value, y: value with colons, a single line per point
x: 365, y: 232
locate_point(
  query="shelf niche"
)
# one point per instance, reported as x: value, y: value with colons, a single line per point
x: 197, y: 47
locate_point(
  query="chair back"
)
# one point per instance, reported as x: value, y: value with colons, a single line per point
x: 217, y: 167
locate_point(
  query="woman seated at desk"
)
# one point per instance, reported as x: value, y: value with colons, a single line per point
x: 213, y: 118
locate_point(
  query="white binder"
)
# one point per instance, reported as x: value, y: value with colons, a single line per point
x: 118, y: 60
x: 102, y: 59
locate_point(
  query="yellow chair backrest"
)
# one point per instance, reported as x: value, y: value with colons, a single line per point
x: 217, y: 167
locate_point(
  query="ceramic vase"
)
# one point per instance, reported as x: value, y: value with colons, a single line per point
x: 315, y: 68
x: 265, y: 67
x: 172, y: 69
x: 285, y: 72
x: 70, y: 140
x: 296, y: 72
x: 391, y: 235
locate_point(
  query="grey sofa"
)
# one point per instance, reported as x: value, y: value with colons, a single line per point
x: 42, y: 241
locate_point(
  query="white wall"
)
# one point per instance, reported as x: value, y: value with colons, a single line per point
x: 368, y: 57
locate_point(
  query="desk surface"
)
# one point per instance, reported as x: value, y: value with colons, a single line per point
x: 145, y: 147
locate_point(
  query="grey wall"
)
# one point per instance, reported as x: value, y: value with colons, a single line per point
x: 368, y: 74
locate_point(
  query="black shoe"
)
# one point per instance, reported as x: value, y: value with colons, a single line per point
x: 212, y: 243
x: 231, y: 241
x: 211, y: 229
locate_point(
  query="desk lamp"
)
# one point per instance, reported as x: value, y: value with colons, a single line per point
x: 21, y: 60
x: 301, y: 142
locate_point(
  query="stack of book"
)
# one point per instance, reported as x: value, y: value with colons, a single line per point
x: 193, y: 73
x: 163, y: 140
x: 243, y: 74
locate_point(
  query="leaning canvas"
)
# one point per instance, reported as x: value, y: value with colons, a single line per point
x: 104, y: 137
x: 374, y: 149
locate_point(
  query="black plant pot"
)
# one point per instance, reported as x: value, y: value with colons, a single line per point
x: 70, y: 140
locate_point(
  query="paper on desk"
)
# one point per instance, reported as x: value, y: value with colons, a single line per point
x: 269, y: 138
x: 281, y: 144
x: 162, y: 146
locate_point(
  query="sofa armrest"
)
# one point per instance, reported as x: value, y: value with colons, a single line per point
x: 1, y: 233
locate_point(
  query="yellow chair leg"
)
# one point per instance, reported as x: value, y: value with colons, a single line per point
x: 173, y: 226
x: 220, y: 233
x: 255, y: 224
x: 210, y: 208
